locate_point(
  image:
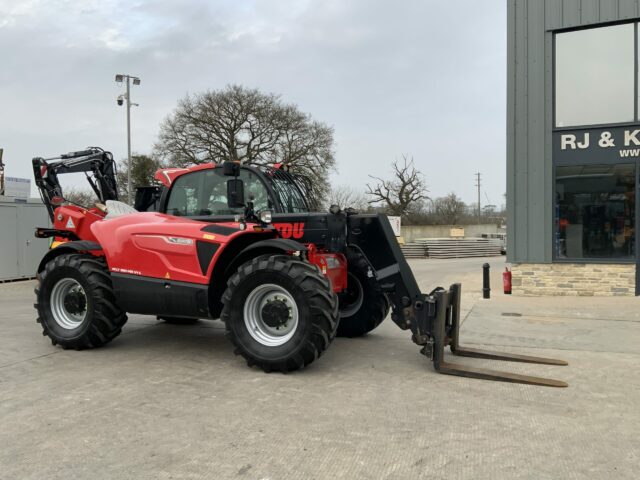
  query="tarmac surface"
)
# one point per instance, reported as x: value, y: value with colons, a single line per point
x: 164, y: 401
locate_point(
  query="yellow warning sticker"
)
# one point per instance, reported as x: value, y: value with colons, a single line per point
x: 208, y: 236
x: 167, y: 275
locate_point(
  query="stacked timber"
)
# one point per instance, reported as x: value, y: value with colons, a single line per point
x: 460, y: 247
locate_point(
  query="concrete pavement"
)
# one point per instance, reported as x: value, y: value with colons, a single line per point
x: 166, y: 401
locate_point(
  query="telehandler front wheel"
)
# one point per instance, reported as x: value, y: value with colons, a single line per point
x: 280, y: 313
x: 363, y: 306
x: 76, y: 304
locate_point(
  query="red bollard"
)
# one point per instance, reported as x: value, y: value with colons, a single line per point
x: 506, y: 281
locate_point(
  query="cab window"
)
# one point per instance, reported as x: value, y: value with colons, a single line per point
x: 204, y: 193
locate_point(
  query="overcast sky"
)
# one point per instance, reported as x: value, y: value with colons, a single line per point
x: 423, y: 77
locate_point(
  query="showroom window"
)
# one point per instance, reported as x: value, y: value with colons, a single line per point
x: 595, y: 211
x: 595, y: 78
x: 595, y: 143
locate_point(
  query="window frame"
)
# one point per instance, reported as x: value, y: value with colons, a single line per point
x: 636, y: 93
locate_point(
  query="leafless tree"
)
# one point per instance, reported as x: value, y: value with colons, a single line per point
x: 246, y: 125
x: 345, y: 196
x: 449, y: 209
x: 402, y: 194
x: 80, y: 196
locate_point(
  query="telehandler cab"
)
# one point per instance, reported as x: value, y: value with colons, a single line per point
x: 241, y: 244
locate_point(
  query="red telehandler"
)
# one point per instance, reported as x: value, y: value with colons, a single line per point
x: 241, y: 244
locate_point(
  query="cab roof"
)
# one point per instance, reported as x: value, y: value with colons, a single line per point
x: 166, y: 176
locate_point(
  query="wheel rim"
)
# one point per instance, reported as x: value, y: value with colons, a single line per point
x: 351, y: 300
x: 271, y: 315
x: 68, y: 303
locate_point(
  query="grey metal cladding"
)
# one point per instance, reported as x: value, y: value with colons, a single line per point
x: 530, y: 25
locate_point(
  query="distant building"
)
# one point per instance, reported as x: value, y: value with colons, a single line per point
x: 573, y: 146
x: 17, y: 187
x: 21, y: 250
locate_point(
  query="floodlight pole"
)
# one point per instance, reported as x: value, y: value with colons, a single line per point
x: 129, y: 140
x: 136, y: 81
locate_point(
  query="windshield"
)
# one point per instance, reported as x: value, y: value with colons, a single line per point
x: 287, y: 188
x: 204, y: 193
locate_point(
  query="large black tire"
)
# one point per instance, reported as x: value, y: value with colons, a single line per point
x: 86, y: 316
x: 363, y: 306
x: 305, y: 295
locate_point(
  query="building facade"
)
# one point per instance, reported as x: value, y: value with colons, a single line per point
x: 573, y: 146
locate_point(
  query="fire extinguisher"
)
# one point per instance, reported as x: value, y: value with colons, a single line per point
x: 506, y: 280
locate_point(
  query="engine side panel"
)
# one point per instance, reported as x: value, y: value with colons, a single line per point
x: 159, y: 246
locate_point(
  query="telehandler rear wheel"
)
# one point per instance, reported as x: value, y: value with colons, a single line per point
x: 76, y: 304
x: 280, y: 313
x: 363, y: 306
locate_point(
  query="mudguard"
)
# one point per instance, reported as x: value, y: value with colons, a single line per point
x: 68, y: 247
x: 283, y: 244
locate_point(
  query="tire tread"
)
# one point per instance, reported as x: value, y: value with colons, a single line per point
x: 108, y: 319
x: 323, y: 305
x: 375, y: 307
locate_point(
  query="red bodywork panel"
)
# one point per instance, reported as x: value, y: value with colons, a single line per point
x: 77, y: 220
x: 160, y: 246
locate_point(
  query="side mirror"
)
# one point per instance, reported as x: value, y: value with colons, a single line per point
x: 147, y: 198
x: 235, y: 193
x: 230, y: 169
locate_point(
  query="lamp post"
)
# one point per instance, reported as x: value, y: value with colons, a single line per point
x: 121, y: 98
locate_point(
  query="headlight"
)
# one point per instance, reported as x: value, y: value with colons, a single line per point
x: 265, y: 216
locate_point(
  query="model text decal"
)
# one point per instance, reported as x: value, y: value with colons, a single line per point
x: 126, y: 270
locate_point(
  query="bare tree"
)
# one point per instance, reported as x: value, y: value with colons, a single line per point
x: 345, y: 196
x: 449, y: 209
x: 80, y: 196
x: 402, y: 194
x: 246, y: 125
